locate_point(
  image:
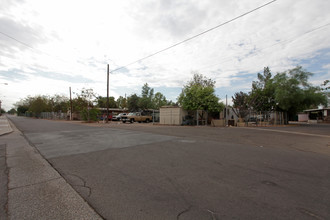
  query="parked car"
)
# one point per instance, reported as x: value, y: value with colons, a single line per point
x: 188, y: 120
x: 119, y: 117
x: 104, y: 117
x: 136, y: 117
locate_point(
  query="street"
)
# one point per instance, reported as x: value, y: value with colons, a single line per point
x: 145, y: 171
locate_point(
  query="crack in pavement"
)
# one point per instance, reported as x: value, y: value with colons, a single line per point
x: 46, y: 181
x: 190, y: 207
x: 84, y: 185
x: 213, y: 214
x: 309, y: 213
x: 182, y: 212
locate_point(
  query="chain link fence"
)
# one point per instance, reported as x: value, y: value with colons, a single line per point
x: 48, y: 115
x: 254, y: 118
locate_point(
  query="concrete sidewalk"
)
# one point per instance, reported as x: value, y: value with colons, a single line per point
x: 5, y: 127
x: 32, y: 188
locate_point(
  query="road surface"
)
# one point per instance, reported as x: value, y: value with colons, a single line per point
x: 142, y: 171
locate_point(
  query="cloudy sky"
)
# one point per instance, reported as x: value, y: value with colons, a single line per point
x: 49, y: 46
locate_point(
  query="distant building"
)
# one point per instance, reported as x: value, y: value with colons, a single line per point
x: 317, y: 115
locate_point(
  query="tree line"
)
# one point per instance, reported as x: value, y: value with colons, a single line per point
x: 87, y: 99
x: 288, y: 91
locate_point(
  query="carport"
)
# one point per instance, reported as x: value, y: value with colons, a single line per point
x: 319, y: 115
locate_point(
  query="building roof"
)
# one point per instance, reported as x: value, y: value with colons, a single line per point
x: 170, y: 106
x: 317, y: 109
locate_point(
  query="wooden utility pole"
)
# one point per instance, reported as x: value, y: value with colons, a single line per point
x: 71, y: 109
x: 108, y: 94
x: 226, y: 118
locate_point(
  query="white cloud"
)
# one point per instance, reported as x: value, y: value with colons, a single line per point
x: 74, y: 40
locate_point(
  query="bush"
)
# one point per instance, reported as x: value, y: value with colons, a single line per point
x: 93, y: 114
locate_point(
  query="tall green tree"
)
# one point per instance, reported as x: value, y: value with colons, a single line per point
x: 241, y: 102
x: 147, y: 95
x: 21, y: 108
x: 83, y: 103
x: 293, y: 92
x: 122, y: 102
x: 199, y: 94
x: 102, y: 102
x: 12, y: 111
x: 79, y: 103
x: 288, y: 91
x: 35, y: 105
x: 39, y: 104
x: 159, y: 100
x: 133, y: 103
x: 325, y: 87
x: 59, y: 103
x: 262, y: 96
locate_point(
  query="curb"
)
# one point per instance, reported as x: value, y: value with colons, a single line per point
x: 36, y: 190
x: 10, y: 128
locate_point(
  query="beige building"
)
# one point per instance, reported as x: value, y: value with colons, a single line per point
x: 171, y: 115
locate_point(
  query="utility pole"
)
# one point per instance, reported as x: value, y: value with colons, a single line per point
x: 226, y: 113
x: 71, y: 109
x: 108, y: 94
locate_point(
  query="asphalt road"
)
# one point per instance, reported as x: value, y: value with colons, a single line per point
x: 139, y: 171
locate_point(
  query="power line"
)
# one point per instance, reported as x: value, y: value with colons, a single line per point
x: 197, y: 35
x: 36, y: 50
x: 17, y: 40
x: 27, y: 45
x: 283, y: 42
x: 160, y: 51
x: 307, y: 32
